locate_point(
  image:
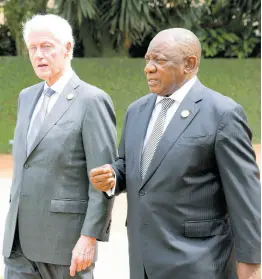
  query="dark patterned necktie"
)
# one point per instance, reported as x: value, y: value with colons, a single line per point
x: 155, y: 136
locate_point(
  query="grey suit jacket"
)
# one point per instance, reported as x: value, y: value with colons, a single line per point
x: 51, y: 196
x: 197, y: 211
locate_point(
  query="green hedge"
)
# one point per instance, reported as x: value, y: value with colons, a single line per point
x: 124, y: 80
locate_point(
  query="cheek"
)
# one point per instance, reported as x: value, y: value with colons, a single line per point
x: 168, y: 77
x: 33, y: 61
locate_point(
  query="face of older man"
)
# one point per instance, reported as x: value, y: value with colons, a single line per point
x: 48, y: 56
x: 165, y: 67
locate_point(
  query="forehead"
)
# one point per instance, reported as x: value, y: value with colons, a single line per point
x: 38, y: 37
x: 161, y: 48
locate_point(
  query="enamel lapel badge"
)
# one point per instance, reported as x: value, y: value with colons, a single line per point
x: 185, y: 113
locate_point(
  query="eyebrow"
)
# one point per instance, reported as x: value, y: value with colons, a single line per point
x: 156, y: 55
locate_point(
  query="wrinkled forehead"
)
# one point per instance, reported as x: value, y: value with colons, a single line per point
x: 38, y: 36
x: 162, y: 47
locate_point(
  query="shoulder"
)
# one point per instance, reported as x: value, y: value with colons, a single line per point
x: 94, y: 98
x: 30, y: 89
x: 139, y: 102
x: 218, y: 103
x: 92, y: 93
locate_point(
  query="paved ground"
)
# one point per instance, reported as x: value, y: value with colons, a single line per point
x: 113, y: 256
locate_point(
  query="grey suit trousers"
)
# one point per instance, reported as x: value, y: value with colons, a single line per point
x: 17, y: 266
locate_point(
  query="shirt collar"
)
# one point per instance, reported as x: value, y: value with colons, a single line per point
x: 181, y: 93
x: 60, y: 84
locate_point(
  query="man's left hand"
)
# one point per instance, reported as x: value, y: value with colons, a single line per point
x: 83, y: 254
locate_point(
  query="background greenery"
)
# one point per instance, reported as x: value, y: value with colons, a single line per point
x: 106, y: 28
x: 124, y: 81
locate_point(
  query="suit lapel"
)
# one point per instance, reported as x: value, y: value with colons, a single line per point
x: 32, y: 100
x: 141, y: 122
x: 175, y: 128
x: 59, y: 109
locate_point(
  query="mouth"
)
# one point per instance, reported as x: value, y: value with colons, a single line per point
x: 152, y: 82
x: 42, y: 66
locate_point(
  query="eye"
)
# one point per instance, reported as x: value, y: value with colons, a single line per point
x: 47, y: 46
x: 160, y: 61
x: 32, y: 48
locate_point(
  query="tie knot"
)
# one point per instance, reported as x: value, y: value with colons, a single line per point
x: 167, y: 103
x: 49, y: 92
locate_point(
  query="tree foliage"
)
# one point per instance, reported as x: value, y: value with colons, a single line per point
x: 16, y: 12
x: 225, y: 28
x: 230, y: 28
x: 7, y: 44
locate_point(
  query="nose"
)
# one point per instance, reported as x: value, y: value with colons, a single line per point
x: 38, y: 53
x: 150, y: 68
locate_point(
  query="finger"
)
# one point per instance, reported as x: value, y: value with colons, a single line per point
x: 80, y: 261
x: 79, y: 267
x: 101, y: 177
x: 112, y: 184
x: 97, y: 171
x: 104, y: 186
x: 86, y: 263
x: 72, y: 268
x: 85, y: 266
x: 100, y: 170
x: 108, y: 186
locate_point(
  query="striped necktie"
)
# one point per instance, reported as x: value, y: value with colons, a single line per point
x: 155, y: 136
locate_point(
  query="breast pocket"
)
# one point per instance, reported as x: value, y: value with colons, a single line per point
x: 65, y: 124
x: 198, y: 140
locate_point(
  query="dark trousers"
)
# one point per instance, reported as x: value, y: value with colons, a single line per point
x: 17, y: 266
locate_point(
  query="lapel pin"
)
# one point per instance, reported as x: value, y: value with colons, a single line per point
x: 70, y: 96
x: 185, y: 113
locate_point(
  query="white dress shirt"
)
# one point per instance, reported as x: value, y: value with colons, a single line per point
x: 58, y: 87
x: 178, y: 96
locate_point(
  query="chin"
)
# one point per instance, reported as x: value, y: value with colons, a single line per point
x: 43, y: 76
x: 157, y: 92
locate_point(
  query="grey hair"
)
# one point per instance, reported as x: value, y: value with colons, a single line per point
x: 54, y: 24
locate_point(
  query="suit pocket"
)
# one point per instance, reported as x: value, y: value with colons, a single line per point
x: 68, y: 206
x: 194, y: 140
x: 64, y: 124
x: 206, y: 228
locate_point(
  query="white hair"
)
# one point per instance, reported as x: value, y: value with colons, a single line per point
x: 54, y: 24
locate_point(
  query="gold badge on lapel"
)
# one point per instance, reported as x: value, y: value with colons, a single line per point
x: 185, y: 113
x: 70, y: 96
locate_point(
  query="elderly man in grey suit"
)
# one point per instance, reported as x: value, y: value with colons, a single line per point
x: 65, y: 127
x: 187, y: 164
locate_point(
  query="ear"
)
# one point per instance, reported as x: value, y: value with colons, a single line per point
x: 191, y: 64
x: 68, y: 48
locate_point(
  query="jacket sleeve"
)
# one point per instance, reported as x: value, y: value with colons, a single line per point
x: 240, y: 179
x: 119, y: 165
x: 99, y: 140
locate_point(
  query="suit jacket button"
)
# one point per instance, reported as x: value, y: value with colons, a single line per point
x: 26, y: 166
x: 142, y: 193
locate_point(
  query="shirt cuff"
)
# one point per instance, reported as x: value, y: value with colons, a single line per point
x: 112, y: 191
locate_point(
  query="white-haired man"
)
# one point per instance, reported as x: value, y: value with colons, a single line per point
x: 65, y: 127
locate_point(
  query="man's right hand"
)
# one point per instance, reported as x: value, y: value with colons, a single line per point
x: 103, y: 178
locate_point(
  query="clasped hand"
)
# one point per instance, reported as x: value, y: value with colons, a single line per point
x: 103, y: 178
